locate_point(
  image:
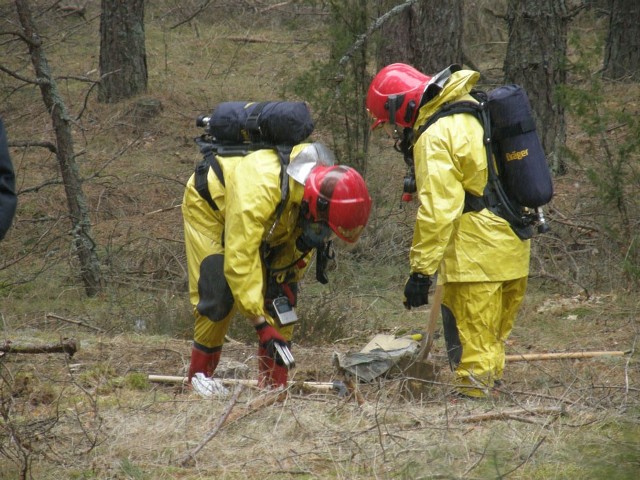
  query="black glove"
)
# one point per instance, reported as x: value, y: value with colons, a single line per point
x: 416, y: 291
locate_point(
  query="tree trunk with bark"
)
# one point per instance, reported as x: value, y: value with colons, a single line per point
x: 83, y: 243
x: 622, y: 54
x: 349, y: 21
x: 123, y: 59
x: 536, y: 56
x: 428, y: 35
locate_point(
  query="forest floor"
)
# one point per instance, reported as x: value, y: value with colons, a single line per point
x: 97, y: 415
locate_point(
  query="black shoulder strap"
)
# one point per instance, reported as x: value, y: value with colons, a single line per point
x: 452, y: 109
x: 284, y: 154
x: 202, y: 171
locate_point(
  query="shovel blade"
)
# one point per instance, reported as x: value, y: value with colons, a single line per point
x: 419, y: 375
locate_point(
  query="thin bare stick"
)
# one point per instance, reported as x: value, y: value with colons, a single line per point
x: 533, y: 451
x: 511, y: 414
x: 192, y: 16
x: 265, y: 400
x: 256, y: 40
x: 377, y: 24
x: 190, y: 456
x: 626, y: 370
x: 75, y: 322
x: 163, y: 210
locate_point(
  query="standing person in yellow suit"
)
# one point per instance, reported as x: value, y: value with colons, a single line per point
x: 255, y: 246
x: 480, y: 261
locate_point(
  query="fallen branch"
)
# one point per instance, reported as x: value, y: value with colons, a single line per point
x: 75, y: 322
x: 529, y: 457
x: 68, y: 346
x: 48, y: 145
x: 558, y: 356
x: 265, y: 400
x: 512, y: 414
x: 160, y: 210
x: 190, y: 457
x: 256, y: 40
x: 228, y: 416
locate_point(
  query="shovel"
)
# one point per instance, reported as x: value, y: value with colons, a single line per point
x: 420, y: 370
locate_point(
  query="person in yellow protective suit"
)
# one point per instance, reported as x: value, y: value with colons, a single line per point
x: 250, y: 246
x: 478, y: 258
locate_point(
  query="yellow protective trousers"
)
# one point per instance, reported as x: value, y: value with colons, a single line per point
x: 209, y: 333
x: 477, y: 319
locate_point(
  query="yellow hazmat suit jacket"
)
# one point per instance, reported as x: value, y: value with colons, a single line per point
x: 247, y: 212
x: 450, y: 158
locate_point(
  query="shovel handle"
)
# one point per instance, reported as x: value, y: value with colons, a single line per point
x: 434, y: 315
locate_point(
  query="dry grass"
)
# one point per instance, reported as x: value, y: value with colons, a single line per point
x: 96, y: 416
x: 554, y: 419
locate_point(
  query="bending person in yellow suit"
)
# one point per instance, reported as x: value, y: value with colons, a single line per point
x: 478, y: 257
x: 249, y: 246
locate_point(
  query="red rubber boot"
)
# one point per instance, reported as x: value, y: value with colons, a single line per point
x: 203, y: 362
x: 270, y: 374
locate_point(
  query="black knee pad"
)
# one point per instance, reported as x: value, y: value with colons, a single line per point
x: 215, y: 298
x: 451, y: 337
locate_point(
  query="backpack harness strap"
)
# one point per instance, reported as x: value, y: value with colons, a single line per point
x: 472, y: 203
x: 202, y: 171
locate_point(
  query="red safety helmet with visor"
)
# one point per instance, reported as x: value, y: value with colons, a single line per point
x: 338, y: 195
x: 395, y: 93
x: 398, y: 90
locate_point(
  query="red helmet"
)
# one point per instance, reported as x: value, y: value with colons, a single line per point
x: 337, y: 195
x: 395, y: 93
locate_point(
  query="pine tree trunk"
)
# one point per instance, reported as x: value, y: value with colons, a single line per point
x: 535, y: 59
x: 622, y: 54
x: 83, y: 243
x: 123, y: 59
x: 428, y: 35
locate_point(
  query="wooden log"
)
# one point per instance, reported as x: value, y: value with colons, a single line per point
x: 68, y: 346
x: 562, y: 355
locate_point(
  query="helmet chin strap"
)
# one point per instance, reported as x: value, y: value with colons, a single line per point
x: 408, y: 115
x: 394, y: 102
x: 391, y: 103
x: 324, y: 250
